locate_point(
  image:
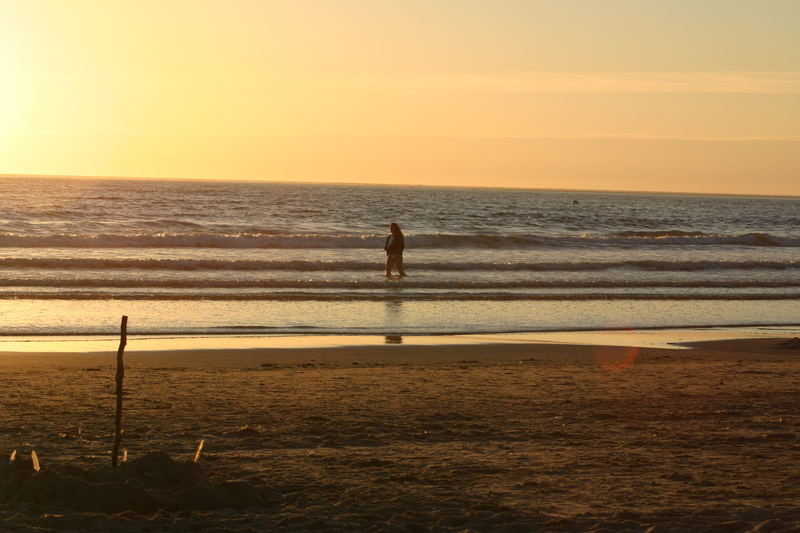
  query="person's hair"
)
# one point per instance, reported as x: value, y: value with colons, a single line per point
x: 395, y: 229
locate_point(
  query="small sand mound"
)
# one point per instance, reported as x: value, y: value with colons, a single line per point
x: 792, y: 344
x: 144, y: 485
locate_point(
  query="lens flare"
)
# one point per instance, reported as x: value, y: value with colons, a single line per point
x: 616, y: 358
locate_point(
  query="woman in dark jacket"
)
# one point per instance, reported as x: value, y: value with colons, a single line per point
x: 395, y: 243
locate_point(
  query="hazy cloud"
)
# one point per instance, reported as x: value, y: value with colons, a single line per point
x: 741, y: 82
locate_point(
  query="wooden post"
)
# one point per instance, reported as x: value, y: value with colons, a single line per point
x: 123, y: 340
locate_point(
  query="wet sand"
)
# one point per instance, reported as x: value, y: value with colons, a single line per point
x: 484, y: 437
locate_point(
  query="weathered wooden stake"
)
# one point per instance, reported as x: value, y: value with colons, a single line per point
x: 123, y: 340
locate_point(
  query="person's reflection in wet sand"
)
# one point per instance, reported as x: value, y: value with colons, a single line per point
x: 394, y: 316
x: 393, y: 313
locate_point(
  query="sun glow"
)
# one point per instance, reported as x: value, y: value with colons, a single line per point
x: 13, y: 102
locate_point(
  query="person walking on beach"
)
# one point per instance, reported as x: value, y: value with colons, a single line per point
x: 395, y: 244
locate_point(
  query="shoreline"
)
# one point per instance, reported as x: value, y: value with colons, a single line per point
x: 665, y: 337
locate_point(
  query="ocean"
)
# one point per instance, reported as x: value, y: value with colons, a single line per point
x: 222, y: 258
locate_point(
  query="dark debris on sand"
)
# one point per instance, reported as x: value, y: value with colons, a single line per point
x: 155, y: 493
x: 144, y: 485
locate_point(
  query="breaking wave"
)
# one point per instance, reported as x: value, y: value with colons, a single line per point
x: 314, y: 240
x: 342, y: 266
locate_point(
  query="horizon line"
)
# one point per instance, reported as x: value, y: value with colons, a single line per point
x: 366, y: 184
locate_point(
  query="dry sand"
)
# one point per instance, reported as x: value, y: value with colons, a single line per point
x: 526, y: 437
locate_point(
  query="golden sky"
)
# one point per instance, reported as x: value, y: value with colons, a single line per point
x: 678, y: 95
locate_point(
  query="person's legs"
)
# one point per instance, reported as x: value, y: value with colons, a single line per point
x: 400, y: 269
x: 389, y: 265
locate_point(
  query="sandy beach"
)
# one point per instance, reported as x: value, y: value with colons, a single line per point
x: 514, y: 437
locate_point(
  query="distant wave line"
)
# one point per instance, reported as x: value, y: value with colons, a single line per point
x: 369, y: 241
